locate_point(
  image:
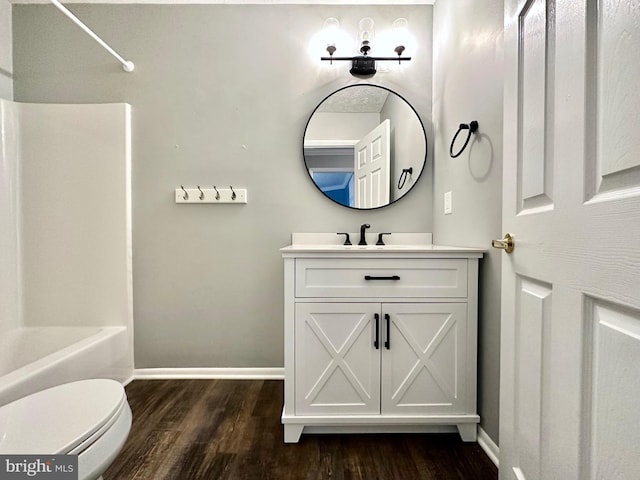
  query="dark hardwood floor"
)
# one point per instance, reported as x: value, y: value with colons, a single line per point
x: 230, y: 429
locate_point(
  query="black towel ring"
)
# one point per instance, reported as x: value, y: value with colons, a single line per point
x: 472, y: 127
x: 403, y: 177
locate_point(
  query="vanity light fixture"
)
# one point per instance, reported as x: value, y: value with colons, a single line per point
x: 364, y: 65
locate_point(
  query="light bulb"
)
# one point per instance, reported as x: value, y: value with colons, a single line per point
x: 365, y: 32
x: 399, y: 25
x: 402, y: 39
x: 330, y: 32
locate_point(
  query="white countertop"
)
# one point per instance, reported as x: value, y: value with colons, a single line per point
x: 394, y: 243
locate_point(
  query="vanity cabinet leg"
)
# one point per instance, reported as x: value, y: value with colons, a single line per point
x: 468, y: 431
x: 292, y: 433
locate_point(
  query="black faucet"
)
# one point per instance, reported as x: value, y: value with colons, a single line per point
x: 363, y: 239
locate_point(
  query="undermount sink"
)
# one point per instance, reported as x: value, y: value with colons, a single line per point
x: 395, y: 242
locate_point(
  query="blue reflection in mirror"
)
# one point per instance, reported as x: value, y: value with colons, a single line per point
x: 337, y: 185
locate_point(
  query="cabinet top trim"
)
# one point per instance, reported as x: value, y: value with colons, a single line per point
x: 397, y: 245
x: 431, y: 251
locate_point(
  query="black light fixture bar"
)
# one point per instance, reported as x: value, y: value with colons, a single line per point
x: 364, y: 65
x: 399, y: 59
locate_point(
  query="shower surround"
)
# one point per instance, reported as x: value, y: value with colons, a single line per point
x: 65, y: 245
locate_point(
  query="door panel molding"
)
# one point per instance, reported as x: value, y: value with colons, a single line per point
x: 536, y: 45
x: 611, y: 356
x: 534, y: 307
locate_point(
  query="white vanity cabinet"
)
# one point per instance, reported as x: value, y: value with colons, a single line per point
x: 380, y: 339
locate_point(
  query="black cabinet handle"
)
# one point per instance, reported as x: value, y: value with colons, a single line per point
x: 387, y: 343
x: 371, y: 277
x: 376, y: 343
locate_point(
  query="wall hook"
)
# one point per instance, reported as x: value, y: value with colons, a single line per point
x: 472, y: 127
x: 217, y: 193
x: 233, y: 194
x: 201, y: 193
x: 186, y: 195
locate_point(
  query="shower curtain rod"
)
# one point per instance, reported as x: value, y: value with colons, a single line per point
x: 126, y: 65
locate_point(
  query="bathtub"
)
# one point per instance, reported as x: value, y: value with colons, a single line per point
x: 35, y: 358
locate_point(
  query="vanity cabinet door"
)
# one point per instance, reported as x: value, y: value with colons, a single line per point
x: 337, y: 367
x: 424, y: 370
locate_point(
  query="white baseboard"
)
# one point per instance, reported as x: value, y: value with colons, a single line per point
x: 489, y: 447
x: 275, y: 373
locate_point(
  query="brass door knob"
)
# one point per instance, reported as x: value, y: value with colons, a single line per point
x: 506, y: 244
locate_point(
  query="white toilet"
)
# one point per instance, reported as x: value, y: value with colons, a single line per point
x: 89, y: 418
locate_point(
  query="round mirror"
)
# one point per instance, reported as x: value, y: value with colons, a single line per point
x: 364, y: 146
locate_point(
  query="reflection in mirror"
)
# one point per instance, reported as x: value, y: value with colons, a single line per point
x: 359, y: 141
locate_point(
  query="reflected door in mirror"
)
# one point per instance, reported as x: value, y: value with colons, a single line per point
x: 371, y: 168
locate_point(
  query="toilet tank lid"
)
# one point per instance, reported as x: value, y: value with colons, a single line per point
x: 56, y: 420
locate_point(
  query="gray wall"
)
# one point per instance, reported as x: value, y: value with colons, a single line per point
x: 340, y: 126
x: 468, y: 86
x: 220, y: 95
x: 407, y: 143
x: 6, y: 67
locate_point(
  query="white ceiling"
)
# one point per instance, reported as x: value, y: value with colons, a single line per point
x: 357, y: 99
x: 244, y: 2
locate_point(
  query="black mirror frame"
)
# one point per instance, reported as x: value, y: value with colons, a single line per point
x: 424, y: 133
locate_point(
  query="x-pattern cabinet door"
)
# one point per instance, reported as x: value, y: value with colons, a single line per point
x: 337, y: 366
x: 423, y: 370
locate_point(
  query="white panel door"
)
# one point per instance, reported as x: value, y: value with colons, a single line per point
x: 337, y: 363
x: 570, y: 339
x: 424, y: 358
x: 371, y: 167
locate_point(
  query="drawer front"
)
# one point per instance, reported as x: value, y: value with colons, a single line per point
x: 385, y: 277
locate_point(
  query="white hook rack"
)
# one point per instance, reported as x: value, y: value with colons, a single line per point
x: 211, y: 195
